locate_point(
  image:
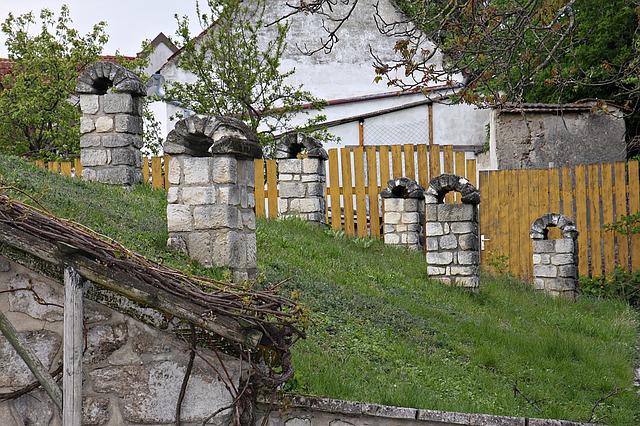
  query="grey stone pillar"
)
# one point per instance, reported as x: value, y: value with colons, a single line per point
x: 301, y: 181
x: 555, y: 262
x: 211, y: 214
x: 111, y: 101
x: 404, y: 213
x: 452, y: 238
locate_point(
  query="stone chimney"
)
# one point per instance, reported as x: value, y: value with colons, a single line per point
x: 111, y: 101
x: 301, y: 181
x: 404, y: 213
x: 452, y: 232
x: 211, y: 214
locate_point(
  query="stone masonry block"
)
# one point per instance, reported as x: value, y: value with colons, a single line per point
x: 313, y: 166
x: 543, y: 246
x: 411, y: 239
x: 463, y: 227
x: 307, y: 205
x: 116, y: 175
x: 292, y: 190
x: 568, y: 271
x: 393, y: 204
x: 562, y: 259
x: 464, y: 270
x: 315, y: 189
x: 290, y: 165
x: 173, y: 194
x: 439, y: 258
x: 435, y: 270
x: 215, y: 217
x: 456, y: 212
x: 224, y: 169
x: 118, y: 103
x: 193, y: 196
x: 433, y: 229
x: 123, y: 156
x: 432, y: 243
x: 179, y: 218
x: 87, y: 125
x: 411, y: 217
x: 545, y: 271
x: 392, y: 239
x: 448, y: 242
x: 468, y: 242
x: 248, y: 220
x: 175, y: 167
x: 93, y: 157
x: 468, y: 258
x: 283, y: 206
x: 392, y: 217
x: 104, y: 124
x: 431, y: 212
x: 199, y: 246
x: 125, y: 123
x: 538, y: 284
x: 90, y: 141
x: 565, y: 245
x: 119, y: 140
x: 229, y: 195
x: 89, y: 104
x: 196, y: 170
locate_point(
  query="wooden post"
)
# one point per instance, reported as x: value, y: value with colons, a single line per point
x: 31, y: 359
x: 73, y: 345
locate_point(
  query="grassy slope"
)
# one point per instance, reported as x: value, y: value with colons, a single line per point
x: 384, y: 333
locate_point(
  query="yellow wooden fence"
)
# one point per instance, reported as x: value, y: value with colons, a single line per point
x: 591, y: 195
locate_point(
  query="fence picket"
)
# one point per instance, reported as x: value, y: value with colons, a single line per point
x: 272, y: 188
x: 258, y: 192
x: 372, y: 191
x: 77, y: 167
x: 460, y: 171
x: 65, y: 168
x: 145, y: 169
x: 525, y: 250
x: 157, y: 180
x: 334, y: 190
x: 409, y: 162
x: 434, y: 161
x: 620, y: 193
x: 423, y: 166
x: 347, y: 191
x: 554, y: 190
x: 607, y: 217
x: 447, y: 157
x: 361, y: 201
x: 396, y: 161
x: 594, y: 216
x: 581, y: 218
x: 634, y: 207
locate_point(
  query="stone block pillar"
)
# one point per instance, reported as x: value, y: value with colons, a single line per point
x: 452, y: 232
x: 404, y: 214
x: 555, y: 262
x: 211, y: 214
x: 301, y: 180
x: 111, y: 101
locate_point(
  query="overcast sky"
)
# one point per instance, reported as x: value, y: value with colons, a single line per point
x: 129, y: 22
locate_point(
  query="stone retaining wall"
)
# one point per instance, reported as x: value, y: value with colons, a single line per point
x: 132, y: 370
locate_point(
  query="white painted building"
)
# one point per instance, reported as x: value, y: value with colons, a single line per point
x: 359, y: 110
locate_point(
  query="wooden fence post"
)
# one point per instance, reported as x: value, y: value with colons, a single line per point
x: 72, y: 348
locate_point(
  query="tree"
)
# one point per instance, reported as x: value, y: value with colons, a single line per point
x: 496, y: 51
x: 236, y: 64
x: 38, y: 116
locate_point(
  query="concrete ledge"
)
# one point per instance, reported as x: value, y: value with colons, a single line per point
x: 301, y: 406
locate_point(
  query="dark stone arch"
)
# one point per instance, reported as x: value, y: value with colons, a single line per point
x: 403, y: 187
x: 206, y: 135
x: 540, y: 231
x: 101, y: 76
x: 292, y: 144
x: 445, y: 183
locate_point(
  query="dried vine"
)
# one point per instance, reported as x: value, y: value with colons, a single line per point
x: 279, y: 318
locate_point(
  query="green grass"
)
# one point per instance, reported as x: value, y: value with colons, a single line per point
x: 384, y: 333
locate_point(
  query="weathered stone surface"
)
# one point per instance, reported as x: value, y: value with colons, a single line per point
x: 391, y: 239
x: 148, y: 393
x: 197, y: 171
x: 126, y: 123
x: 5, y: 265
x: 35, y: 408
x: 290, y: 166
x: 116, y: 103
x: 93, y: 157
x: 95, y: 410
x: 104, y: 124
x: 193, y: 196
x: 86, y: 125
x: 103, y: 340
x: 439, y: 258
x: 545, y: 271
x: 179, y: 218
x: 403, y: 188
x: 468, y: 242
x: 224, y: 169
x: 25, y: 300
x: 456, y: 212
x: 123, y: 157
x: 89, y: 104
x: 448, y: 242
x: 215, y: 216
x: 14, y: 372
x: 433, y: 229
